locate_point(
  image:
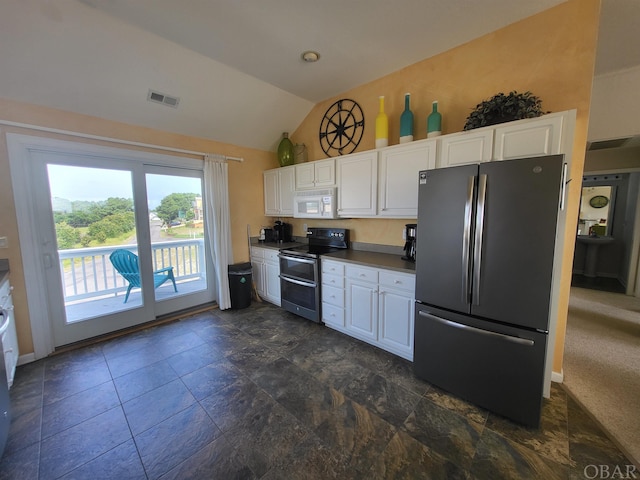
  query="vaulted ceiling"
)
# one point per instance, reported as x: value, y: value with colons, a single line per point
x: 234, y: 64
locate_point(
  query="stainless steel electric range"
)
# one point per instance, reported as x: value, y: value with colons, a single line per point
x: 300, y: 271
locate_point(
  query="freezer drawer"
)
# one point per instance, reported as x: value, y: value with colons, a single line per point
x: 497, y: 367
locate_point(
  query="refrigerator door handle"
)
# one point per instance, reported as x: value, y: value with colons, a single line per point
x: 466, y: 240
x: 563, y: 192
x: 509, y: 338
x: 479, y: 234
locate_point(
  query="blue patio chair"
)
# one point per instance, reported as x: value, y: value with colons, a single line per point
x: 126, y: 263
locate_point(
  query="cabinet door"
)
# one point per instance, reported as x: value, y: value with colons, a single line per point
x: 272, y: 276
x: 362, y: 310
x: 357, y: 184
x: 271, y: 192
x: 325, y: 173
x: 464, y: 148
x: 257, y: 266
x: 529, y: 138
x: 287, y: 186
x: 305, y: 175
x: 398, y: 177
x: 395, y: 330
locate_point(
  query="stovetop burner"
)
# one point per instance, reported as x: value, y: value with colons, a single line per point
x: 321, y: 241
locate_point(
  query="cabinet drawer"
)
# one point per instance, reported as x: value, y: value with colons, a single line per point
x: 336, y: 268
x: 333, y: 280
x: 332, y: 315
x: 362, y: 273
x: 333, y: 295
x: 271, y: 255
x: 257, y: 252
x: 403, y: 281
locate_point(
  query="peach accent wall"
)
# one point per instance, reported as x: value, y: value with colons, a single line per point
x: 245, y: 182
x: 552, y: 54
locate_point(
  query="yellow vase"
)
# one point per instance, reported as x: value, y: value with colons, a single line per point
x: 382, y: 126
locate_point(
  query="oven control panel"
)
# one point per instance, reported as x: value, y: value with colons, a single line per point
x: 335, y: 237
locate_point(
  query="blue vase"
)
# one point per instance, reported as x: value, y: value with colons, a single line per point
x: 406, y: 121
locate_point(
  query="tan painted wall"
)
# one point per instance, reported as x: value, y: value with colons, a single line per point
x: 551, y: 54
x: 245, y: 183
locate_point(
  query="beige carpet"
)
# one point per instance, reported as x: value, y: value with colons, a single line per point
x: 602, y: 362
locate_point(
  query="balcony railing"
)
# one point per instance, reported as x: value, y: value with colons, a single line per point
x: 88, y: 272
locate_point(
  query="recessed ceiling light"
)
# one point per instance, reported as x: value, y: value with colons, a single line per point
x: 310, y: 56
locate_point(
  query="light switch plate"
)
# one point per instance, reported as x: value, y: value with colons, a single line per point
x: 4, y: 243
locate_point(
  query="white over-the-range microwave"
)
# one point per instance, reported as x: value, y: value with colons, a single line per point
x: 315, y: 203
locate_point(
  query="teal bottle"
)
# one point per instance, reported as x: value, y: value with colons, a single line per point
x: 406, y: 121
x: 285, y: 151
x: 434, y: 122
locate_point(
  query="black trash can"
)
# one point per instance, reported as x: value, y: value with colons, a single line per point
x: 240, y: 281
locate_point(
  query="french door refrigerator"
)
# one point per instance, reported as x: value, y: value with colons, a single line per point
x: 485, y: 245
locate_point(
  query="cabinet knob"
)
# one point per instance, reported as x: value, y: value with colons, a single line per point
x: 397, y: 282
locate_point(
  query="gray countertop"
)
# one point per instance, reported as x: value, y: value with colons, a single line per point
x: 373, y: 259
x: 360, y: 257
x: 275, y: 245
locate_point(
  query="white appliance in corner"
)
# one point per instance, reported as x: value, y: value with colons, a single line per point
x: 315, y: 203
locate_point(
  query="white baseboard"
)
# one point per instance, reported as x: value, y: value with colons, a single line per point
x: 557, y: 377
x: 27, y: 358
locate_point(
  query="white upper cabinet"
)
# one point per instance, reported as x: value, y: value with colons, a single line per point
x: 529, y: 138
x: 318, y: 174
x: 465, y: 147
x: 398, y: 177
x: 279, y: 187
x: 357, y: 176
x: 383, y: 182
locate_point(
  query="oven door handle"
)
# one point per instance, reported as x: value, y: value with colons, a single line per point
x: 297, y: 259
x: 297, y: 282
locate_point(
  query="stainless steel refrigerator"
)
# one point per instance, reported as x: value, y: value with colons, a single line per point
x: 485, y: 245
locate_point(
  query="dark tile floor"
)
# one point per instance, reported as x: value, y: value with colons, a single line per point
x: 260, y: 393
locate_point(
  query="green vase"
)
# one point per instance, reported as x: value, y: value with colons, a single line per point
x: 434, y: 122
x: 406, y: 121
x: 285, y: 151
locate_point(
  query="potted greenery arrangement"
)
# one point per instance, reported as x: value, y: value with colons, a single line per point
x: 504, y: 108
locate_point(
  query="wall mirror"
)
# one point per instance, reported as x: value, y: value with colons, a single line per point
x: 596, y: 210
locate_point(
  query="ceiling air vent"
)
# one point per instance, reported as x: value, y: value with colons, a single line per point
x: 158, y: 97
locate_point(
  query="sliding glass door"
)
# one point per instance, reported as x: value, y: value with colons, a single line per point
x: 123, y: 242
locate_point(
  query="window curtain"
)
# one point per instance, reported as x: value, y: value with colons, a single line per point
x: 218, y: 223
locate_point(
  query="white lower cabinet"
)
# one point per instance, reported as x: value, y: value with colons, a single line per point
x: 362, y: 302
x: 396, y: 312
x: 372, y: 304
x: 266, y: 273
x: 333, y: 294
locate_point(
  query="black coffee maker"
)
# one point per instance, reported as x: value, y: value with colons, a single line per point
x: 282, y: 232
x: 410, y: 242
